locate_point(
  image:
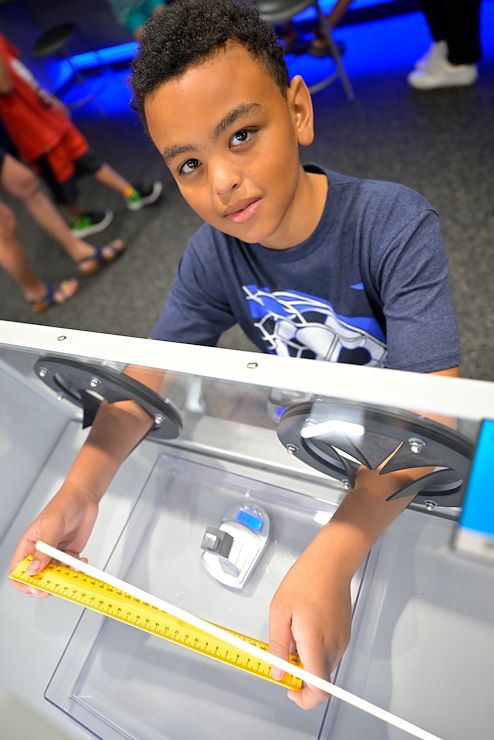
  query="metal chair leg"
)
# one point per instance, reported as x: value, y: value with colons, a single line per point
x: 345, y: 81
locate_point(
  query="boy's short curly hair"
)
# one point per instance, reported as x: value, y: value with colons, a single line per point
x: 188, y: 31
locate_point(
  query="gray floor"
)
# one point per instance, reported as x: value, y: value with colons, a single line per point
x: 440, y: 143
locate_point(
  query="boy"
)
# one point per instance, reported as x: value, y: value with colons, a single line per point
x: 339, y: 268
x: 40, y: 128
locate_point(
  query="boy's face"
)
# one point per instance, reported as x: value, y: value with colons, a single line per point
x: 230, y: 140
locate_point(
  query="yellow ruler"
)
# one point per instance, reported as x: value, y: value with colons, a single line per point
x: 92, y: 593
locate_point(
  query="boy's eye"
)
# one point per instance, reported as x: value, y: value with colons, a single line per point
x: 189, y: 166
x: 241, y: 137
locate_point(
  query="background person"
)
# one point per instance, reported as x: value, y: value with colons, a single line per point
x: 133, y: 14
x: 294, y: 43
x: 451, y: 60
x: 14, y: 261
x: 21, y: 183
x: 40, y: 128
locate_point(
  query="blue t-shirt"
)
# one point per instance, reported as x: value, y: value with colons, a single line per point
x: 368, y: 287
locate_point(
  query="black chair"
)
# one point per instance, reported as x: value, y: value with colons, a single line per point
x: 279, y: 11
x: 56, y: 41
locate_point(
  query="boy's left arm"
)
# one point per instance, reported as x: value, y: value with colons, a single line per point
x: 311, y: 610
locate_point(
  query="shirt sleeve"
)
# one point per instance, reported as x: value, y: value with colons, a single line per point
x: 412, y: 280
x: 197, y: 310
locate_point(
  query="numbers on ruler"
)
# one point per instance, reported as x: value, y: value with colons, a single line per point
x: 105, y: 599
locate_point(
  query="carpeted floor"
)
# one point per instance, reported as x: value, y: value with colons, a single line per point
x: 440, y: 143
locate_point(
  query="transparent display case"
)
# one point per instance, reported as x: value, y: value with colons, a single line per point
x: 244, y: 444
x: 149, y: 689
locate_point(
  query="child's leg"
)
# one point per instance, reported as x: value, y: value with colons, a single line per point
x: 59, y: 171
x: 435, y: 13
x: 72, y: 211
x: 86, y: 162
x: 89, y: 163
x: 112, y: 179
x: 452, y: 59
x: 136, y: 197
x: 463, y: 32
x: 20, y: 182
x: 14, y: 261
x: 13, y: 258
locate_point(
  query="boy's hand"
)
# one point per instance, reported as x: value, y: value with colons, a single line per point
x: 311, y: 610
x: 310, y: 614
x: 65, y: 523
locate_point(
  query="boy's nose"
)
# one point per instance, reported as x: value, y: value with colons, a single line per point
x: 224, y: 178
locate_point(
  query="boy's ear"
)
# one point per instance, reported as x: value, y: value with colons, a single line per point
x: 300, y: 105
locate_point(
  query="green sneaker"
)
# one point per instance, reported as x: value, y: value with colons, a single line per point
x: 144, y: 196
x: 90, y: 222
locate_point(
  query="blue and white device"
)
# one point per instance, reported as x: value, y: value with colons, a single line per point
x: 475, y: 532
x: 232, y: 550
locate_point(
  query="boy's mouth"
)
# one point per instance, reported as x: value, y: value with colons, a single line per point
x: 243, y: 210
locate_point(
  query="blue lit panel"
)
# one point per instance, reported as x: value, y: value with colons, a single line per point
x: 478, y: 509
x: 251, y: 519
x: 328, y: 5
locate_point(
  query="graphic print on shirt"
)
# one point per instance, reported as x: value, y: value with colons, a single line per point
x: 294, y: 324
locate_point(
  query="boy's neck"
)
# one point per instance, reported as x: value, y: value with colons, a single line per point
x: 305, y: 212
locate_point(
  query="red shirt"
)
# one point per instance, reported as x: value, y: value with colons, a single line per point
x: 33, y: 126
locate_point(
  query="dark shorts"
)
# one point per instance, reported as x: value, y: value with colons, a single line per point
x: 66, y: 192
x: 2, y: 158
x: 65, y: 162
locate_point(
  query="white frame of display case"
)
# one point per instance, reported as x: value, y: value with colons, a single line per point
x: 455, y: 397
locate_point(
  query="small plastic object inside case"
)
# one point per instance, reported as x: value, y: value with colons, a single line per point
x: 232, y: 550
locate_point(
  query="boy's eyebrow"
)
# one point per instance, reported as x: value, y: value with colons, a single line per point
x: 173, y: 151
x: 240, y: 111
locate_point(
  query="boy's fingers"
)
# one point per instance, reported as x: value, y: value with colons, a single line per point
x: 315, y: 660
x: 280, y: 639
x: 22, y: 552
x: 23, y: 549
x: 49, y: 532
x: 308, y: 697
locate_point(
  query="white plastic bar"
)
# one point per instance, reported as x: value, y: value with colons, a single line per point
x: 225, y: 636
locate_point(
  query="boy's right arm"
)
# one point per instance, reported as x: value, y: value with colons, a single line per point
x: 68, y: 519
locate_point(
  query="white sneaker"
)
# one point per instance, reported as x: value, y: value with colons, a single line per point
x: 443, y: 74
x: 438, y: 51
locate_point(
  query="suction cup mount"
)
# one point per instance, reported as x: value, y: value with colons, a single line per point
x: 87, y: 385
x: 336, y: 437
